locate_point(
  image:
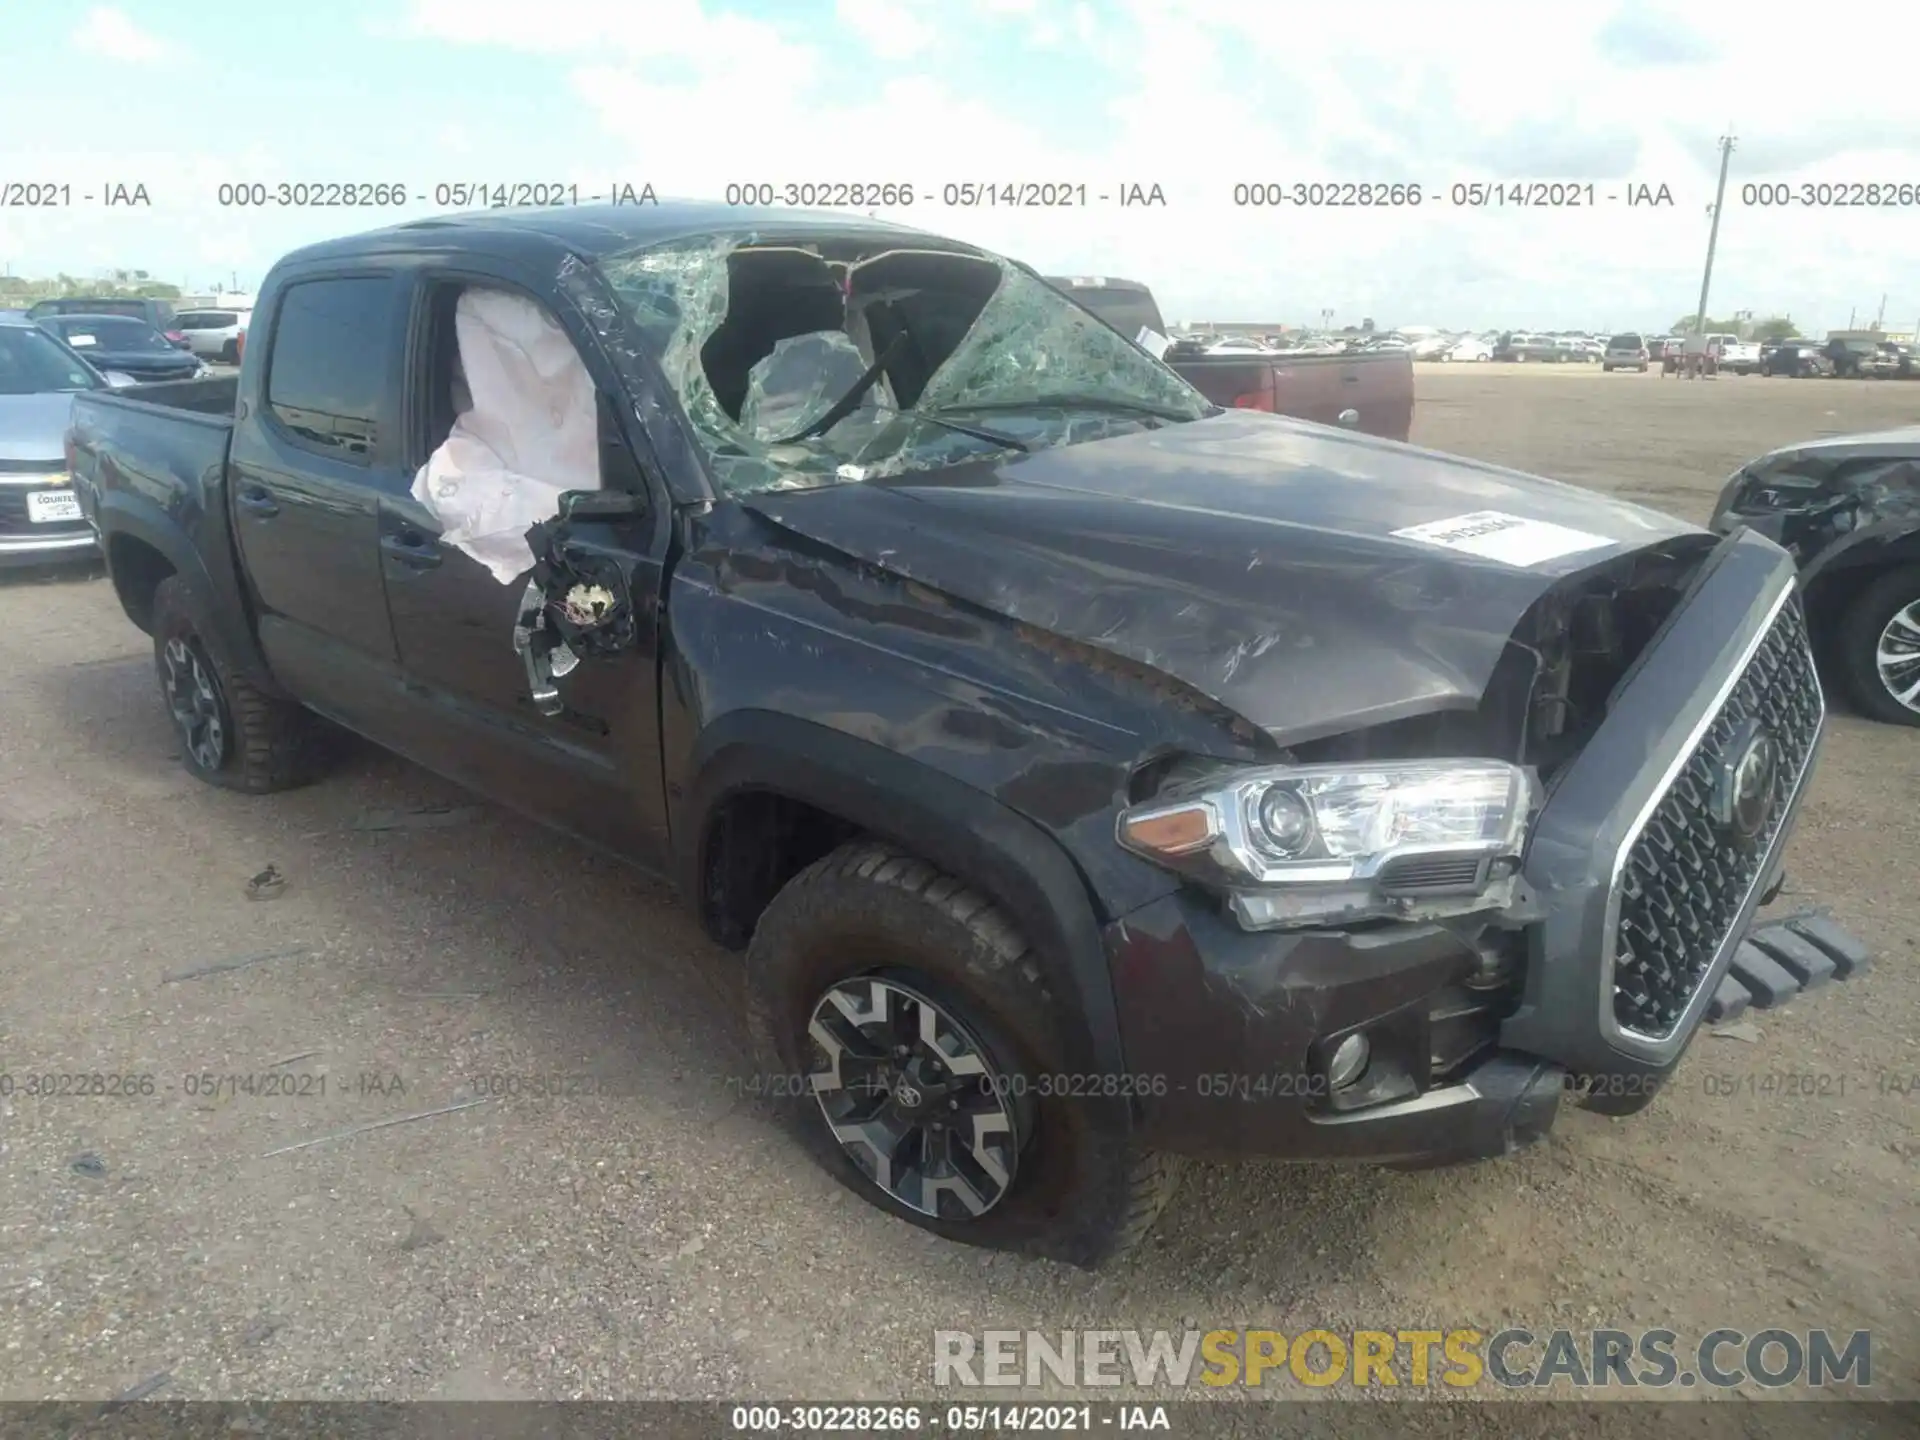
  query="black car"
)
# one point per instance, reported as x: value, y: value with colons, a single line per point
x: 1798, y: 358
x: 1847, y: 508
x: 1092, y: 775
x: 1852, y: 358
x: 120, y: 342
x: 157, y: 313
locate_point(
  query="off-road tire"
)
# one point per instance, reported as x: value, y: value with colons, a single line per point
x: 1856, y: 637
x: 1079, y: 1194
x: 269, y: 744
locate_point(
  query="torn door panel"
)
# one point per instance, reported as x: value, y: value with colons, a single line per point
x: 525, y: 432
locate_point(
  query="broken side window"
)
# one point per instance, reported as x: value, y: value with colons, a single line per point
x: 916, y: 358
x: 518, y: 411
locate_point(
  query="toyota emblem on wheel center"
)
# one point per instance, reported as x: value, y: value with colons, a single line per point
x: 1743, y: 790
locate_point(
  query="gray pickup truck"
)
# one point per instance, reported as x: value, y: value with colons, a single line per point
x: 1091, y: 776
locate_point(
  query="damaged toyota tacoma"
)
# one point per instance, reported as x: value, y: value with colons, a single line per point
x: 1091, y: 776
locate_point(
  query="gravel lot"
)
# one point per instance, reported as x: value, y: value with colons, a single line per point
x: 660, y: 1238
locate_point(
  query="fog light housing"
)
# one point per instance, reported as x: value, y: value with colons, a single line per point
x: 1348, y: 1061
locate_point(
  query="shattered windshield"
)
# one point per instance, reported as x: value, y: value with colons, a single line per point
x: 801, y: 365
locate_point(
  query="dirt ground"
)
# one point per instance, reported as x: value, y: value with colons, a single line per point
x: 658, y: 1237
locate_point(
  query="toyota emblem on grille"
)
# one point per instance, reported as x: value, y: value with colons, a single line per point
x: 1743, y: 791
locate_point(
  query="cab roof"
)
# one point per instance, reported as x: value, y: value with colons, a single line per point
x: 596, y: 231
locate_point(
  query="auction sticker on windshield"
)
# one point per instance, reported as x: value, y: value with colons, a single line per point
x: 1508, y: 539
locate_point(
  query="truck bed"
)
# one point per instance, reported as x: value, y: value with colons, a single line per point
x: 149, y: 466
x: 214, y: 397
x: 1378, y: 388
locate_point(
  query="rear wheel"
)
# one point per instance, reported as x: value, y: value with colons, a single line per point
x: 913, y: 1042
x: 231, y: 733
x: 230, y: 352
x: 1878, y: 645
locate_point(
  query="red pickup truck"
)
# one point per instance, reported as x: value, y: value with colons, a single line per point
x: 1369, y: 392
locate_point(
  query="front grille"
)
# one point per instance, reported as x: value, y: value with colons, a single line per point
x: 15, y: 522
x: 1685, y: 880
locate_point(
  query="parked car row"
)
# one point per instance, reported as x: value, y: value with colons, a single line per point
x: 1848, y: 357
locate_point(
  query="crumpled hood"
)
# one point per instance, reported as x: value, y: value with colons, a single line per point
x: 34, y: 427
x: 1249, y: 556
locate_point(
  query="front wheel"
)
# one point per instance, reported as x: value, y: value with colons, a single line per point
x: 915, y: 1044
x: 1878, y: 644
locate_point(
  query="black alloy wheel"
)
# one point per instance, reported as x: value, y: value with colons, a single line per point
x: 915, y: 1098
x: 194, y: 700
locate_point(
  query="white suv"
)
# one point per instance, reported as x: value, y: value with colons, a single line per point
x: 1625, y: 352
x: 214, y: 334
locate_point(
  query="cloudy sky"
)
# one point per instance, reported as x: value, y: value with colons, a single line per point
x: 693, y: 95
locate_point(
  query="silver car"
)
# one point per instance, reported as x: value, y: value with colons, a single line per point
x: 1626, y: 352
x: 214, y: 334
x: 40, y: 517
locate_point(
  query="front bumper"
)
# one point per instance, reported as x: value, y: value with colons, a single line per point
x: 26, y: 541
x: 1639, y: 911
x: 1227, y: 1034
x: 17, y: 550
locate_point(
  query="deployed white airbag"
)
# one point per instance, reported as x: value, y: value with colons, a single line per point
x: 529, y: 434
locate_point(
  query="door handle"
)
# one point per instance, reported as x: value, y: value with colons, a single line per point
x: 1349, y: 417
x: 258, y: 500
x: 1351, y: 379
x: 412, y: 548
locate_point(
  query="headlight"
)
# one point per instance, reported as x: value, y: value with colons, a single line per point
x: 1309, y: 844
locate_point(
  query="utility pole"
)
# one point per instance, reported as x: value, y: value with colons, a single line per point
x: 1713, y: 235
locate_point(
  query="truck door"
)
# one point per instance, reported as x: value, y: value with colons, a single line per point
x: 315, y: 447
x: 594, y: 768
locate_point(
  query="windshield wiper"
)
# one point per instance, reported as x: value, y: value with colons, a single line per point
x: 1076, y: 402
x: 978, y: 432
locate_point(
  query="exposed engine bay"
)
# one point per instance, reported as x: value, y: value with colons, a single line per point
x: 1551, y: 687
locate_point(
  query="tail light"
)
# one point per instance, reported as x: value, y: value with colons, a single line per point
x: 240, y: 345
x: 1254, y: 400
x: 72, y: 454
x: 176, y: 336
